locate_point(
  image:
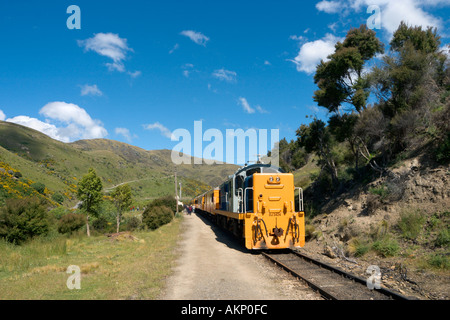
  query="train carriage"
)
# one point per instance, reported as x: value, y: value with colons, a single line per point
x: 259, y: 205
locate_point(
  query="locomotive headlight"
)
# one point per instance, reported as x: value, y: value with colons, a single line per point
x: 271, y: 179
x: 278, y: 179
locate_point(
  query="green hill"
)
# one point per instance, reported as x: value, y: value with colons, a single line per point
x: 59, y: 166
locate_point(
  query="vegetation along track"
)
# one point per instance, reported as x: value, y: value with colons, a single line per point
x: 332, y: 283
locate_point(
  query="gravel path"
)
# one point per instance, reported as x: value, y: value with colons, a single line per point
x: 214, y: 266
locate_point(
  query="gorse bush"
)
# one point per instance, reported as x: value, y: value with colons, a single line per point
x: 71, y: 222
x: 39, y: 187
x: 58, y: 197
x: 23, y: 219
x: 157, y: 216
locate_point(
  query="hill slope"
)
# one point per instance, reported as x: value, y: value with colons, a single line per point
x: 60, y: 165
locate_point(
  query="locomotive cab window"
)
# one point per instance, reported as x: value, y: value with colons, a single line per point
x: 271, y: 170
x: 253, y: 171
x: 239, y: 183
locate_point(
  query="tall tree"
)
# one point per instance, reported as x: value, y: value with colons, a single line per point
x: 340, y: 79
x: 343, y: 128
x: 89, y: 192
x: 122, y: 200
x: 413, y: 70
x: 316, y: 137
x: 410, y: 83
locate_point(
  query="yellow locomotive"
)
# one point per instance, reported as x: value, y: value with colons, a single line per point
x: 258, y: 204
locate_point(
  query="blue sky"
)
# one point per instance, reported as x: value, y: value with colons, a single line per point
x: 138, y: 70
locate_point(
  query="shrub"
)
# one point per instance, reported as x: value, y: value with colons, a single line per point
x: 102, y: 224
x: 395, y: 190
x: 167, y: 201
x: 358, y: 247
x: 58, y: 212
x: 71, y: 222
x: 381, y: 191
x: 443, y: 238
x: 411, y: 223
x: 157, y: 216
x: 442, y: 153
x: 22, y: 219
x: 58, y: 197
x: 39, y: 187
x: 132, y: 223
x: 439, y: 261
x: 309, y: 232
x: 386, y: 247
x: 373, y: 202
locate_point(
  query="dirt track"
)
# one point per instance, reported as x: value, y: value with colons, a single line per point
x: 213, y: 266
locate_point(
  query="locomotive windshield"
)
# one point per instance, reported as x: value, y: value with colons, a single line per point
x: 253, y: 171
x: 271, y: 170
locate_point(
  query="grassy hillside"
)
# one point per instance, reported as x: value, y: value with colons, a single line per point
x: 120, y: 268
x: 59, y: 166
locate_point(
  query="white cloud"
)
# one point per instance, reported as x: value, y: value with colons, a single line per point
x: 90, y: 90
x: 445, y: 50
x: 175, y: 47
x: 392, y: 12
x: 248, y: 109
x: 245, y: 105
x: 260, y: 109
x: 329, y: 6
x: 197, y: 37
x: 158, y: 126
x: 125, y: 133
x: 311, y: 53
x: 134, y: 74
x: 410, y: 11
x: 2, y: 116
x: 65, y: 122
x: 225, y: 75
x: 210, y: 88
x: 79, y: 122
x: 188, y: 68
x: 49, y: 129
x: 296, y: 38
x: 108, y: 45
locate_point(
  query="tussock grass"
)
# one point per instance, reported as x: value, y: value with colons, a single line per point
x: 411, y: 223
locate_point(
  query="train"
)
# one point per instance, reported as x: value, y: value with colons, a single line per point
x: 260, y: 205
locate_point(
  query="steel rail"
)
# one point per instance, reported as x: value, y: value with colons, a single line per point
x: 322, y: 289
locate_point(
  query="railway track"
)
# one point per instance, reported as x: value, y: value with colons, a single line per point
x: 332, y: 283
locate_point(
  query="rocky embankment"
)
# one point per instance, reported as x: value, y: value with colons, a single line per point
x: 399, y: 222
